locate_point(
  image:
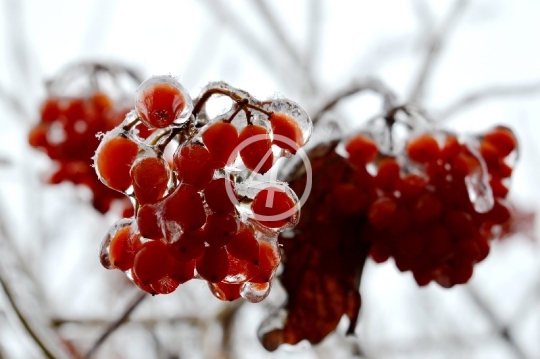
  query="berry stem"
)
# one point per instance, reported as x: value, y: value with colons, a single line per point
x: 241, y: 101
x: 369, y: 84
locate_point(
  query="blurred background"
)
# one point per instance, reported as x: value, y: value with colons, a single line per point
x: 470, y: 64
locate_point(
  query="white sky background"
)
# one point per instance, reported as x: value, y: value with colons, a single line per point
x: 495, y: 43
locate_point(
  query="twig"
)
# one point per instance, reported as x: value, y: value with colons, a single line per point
x: 369, y: 84
x: 116, y: 324
x: 35, y: 323
x: 48, y: 352
x: 315, y: 20
x: 227, y: 317
x: 282, y: 38
x: 223, y: 14
x: 502, y: 331
x: 13, y: 102
x: 434, y: 48
x: 58, y: 322
x: 489, y: 93
x: 423, y: 14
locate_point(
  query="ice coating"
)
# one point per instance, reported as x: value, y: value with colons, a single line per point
x: 174, y: 114
x: 255, y: 292
x: 477, y: 182
x: 113, y: 159
x: 106, y: 242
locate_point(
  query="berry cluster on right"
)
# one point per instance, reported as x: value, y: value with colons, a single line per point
x: 435, y: 208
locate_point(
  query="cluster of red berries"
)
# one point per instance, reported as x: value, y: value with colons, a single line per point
x: 68, y: 129
x: 435, y: 208
x: 204, y: 215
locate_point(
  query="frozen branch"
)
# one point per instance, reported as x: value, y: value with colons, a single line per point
x: 489, y: 93
x: 25, y: 299
x: 434, y: 48
x: 223, y: 14
x: 369, y: 84
x: 117, y: 323
x: 283, y: 39
x: 502, y: 331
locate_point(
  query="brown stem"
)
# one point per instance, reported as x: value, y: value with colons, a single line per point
x: 369, y: 84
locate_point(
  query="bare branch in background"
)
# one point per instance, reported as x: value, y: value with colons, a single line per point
x: 14, y: 103
x: 226, y: 17
x: 191, y: 320
x: 25, y: 298
x: 283, y: 39
x: 314, y: 33
x: 369, y: 84
x: 117, y: 323
x: 425, y: 16
x: 227, y: 318
x: 489, y: 93
x: 435, y: 46
x: 502, y: 331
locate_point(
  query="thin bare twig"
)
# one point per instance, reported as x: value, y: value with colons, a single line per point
x: 223, y: 14
x: 502, y: 331
x: 13, y: 102
x: 434, y: 48
x: 194, y: 320
x: 424, y: 14
x: 227, y: 318
x: 283, y: 39
x: 116, y: 324
x: 489, y: 93
x: 314, y: 34
x: 30, y: 316
x: 369, y: 84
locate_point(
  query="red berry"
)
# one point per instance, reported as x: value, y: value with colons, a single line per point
x: 182, y: 271
x: 147, y: 222
x: 381, y: 212
x: 502, y: 139
x: 189, y: 246
x: 361, y: 150
x: 225, y: 291
x: 286, y: 126
x: 388, y: 174
x: 221, y: 139
x: 217, y: 197
x: 269, y: 256
x: 50, y: 110
x: 114, y: 158
x: 244, y: 246
x: 193, y: 165
x: 152, y: 262
x: 213, y: 265
x: 185, y: 207
x: 427, y: 208
x: 423, y: 148
x: 150, y: 179
x: 164, y: 285
x: 159, y: 105
x: 146, y: 287
x: 240, y: 270
x: 272, y: 207
x: 257, y: 155
x: 124, y: 245
x: 220, y: 229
